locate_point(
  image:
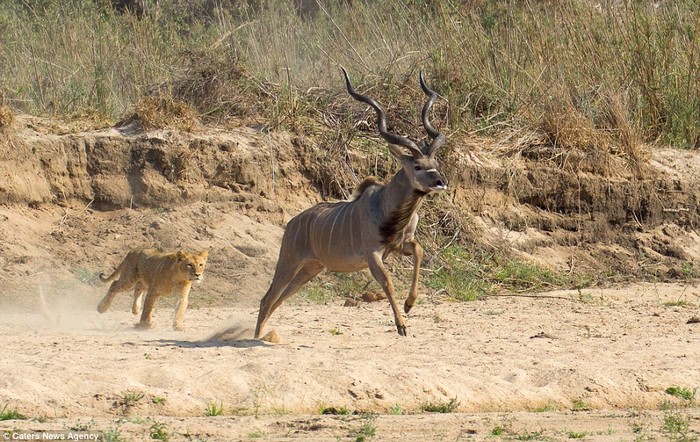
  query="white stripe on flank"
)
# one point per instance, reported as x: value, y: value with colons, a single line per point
x: 351, y: 231
x: 343, y: 232
x: 330, y: 235
x: 312, y: 228
x: 296, y: 234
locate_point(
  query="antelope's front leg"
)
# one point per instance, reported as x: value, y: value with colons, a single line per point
x: 411, y: 247
x: 376, y: 267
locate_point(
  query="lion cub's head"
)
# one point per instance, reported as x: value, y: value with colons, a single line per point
x: 192, y: 266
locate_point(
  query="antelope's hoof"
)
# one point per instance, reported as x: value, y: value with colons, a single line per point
x: 407, y: 307
x: 401, y: 329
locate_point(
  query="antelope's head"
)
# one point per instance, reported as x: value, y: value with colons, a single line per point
x: 419, y: 163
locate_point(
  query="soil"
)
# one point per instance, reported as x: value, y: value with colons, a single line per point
x: 594, y: 363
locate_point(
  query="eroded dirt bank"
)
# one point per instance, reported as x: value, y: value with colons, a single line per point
x: 74, y: 198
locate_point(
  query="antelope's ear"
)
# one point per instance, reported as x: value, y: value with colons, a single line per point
x: 402, y: 154
x: 396, y: 151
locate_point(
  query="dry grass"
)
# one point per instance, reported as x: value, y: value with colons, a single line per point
x: 623, y: 73
x: 162, y: 111
x: 7, y: 117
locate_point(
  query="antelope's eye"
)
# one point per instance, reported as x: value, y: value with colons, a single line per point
x: 417, y: 167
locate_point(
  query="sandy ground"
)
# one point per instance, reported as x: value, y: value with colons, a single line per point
x: 592, y: 364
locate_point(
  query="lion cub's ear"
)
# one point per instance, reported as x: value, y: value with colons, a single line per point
x: 203, y: 254
x: 181, y: 255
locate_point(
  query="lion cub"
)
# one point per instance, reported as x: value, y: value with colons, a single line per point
x: 156, y: 274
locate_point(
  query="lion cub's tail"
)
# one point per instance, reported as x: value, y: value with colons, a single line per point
x: 114, y: 275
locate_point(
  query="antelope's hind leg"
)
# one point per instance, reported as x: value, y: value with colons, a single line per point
x: 307, y: 272
x: 271, y: 300
x: 303, y: 275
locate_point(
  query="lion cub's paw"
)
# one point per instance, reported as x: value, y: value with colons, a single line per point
x: 143, y: 325
x: 179, y: 327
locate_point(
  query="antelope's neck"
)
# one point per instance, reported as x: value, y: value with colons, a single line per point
x: 400, y: 203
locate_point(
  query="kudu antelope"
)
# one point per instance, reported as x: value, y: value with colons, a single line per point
x: 381, y: 219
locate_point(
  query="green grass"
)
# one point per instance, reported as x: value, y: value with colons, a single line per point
x: 367, y: 430
x: 576, y: 434
x: 214, y: 409
x: 681, y: 392
x: 521, y: 276
x: 580, y: 405
x: 529, y: 435
x: 440, y: 407
x: 460, y: 275
x: 678, y: 303
x: 667, y: 405
x: 498, y: 431
x: 469, y: 275
x: 548, y: 407
x: 130, y: 398
x: 638, y: 428
x: 79, y: 426
x: 112, y: 435
x: 328, y: 287
x: 396, y: 410
x: 10, y: 414
x: 676, y: 427
x: 159, y: 431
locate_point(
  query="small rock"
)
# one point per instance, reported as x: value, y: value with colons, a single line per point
x: 272, y: 337
x: 350, y: 303
x: 373, y: 296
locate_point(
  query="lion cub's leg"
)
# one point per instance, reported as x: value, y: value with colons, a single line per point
x: 139, y: 290
x: 178, y: 322
x: 148, y: 304
x: 120, y: 285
